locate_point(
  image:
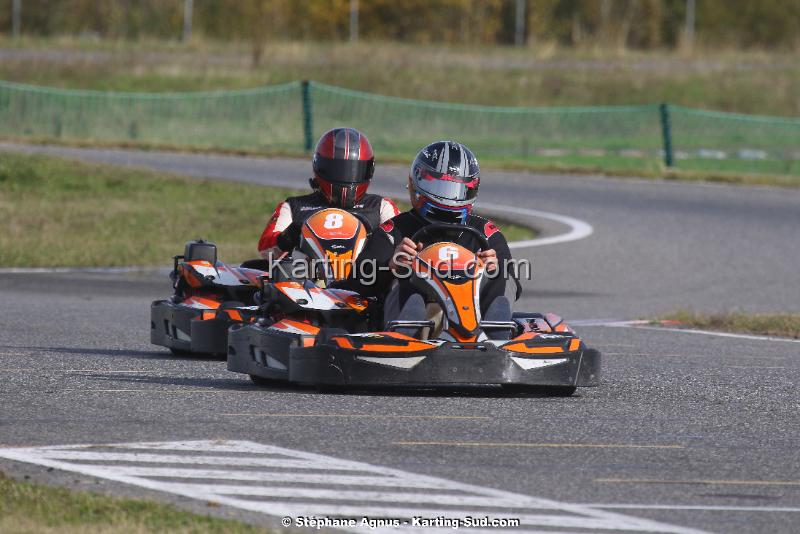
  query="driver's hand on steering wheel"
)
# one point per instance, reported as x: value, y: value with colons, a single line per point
x: 404, y: 252
x: 489, y: 259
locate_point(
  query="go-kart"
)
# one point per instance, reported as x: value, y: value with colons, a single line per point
x: 209, y: 296
x: 296, y: 307
x: 310, y: 335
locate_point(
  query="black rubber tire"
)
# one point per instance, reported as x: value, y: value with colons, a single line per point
x: 179, y: 352
x: 560, y: 391
x: 266, y: 382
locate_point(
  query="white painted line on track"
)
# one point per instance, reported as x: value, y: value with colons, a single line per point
x: 578, y: 229
x: 719, y: 334
x: 708, y: 508
x: 313, y: 485
x: 646, y: 325
x: 92, y: 270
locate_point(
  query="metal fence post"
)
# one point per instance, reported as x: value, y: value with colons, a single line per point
x: 16, y: 9
x: 666, y: 133
x: 307, y: 120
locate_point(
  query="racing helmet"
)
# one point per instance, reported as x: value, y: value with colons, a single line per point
x: 444, y: 181
x: 343, y: 166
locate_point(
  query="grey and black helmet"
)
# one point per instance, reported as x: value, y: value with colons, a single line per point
x: 444, y: 182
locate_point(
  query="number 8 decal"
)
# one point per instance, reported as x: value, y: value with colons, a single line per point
x: 333, y: 221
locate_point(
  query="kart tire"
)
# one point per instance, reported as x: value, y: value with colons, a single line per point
x: 179, y: 352
x: 560, y: 391
x: 265, y: 382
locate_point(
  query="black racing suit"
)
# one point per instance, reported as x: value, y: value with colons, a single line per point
x: 283, y: 228
x: 381, y: 245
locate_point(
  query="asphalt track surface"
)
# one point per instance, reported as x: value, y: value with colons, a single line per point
x: 694, y: 431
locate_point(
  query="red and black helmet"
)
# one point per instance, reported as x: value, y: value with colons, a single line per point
x: 343, y: 166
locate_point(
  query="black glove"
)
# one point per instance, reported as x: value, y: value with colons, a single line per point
x: 289, y: 238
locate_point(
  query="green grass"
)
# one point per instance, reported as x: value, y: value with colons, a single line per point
x: 540, y: 75
x: 58, y: 212
x: 28, y: 507
x: 745, y: 82
x: 783, y: 325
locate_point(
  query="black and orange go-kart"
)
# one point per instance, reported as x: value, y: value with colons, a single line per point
x: 452, y: 346
x: 209, y: 296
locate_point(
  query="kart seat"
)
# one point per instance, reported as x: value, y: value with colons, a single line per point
x: 200, y: 249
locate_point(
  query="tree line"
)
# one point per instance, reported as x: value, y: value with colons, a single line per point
x: 634, y: 24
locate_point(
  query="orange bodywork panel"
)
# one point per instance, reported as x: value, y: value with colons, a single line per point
x: 235, y: 315
x: 519, y: 344
x: 333, y: 224
x: 290, y: 324
x: 445, y: 258
x: 372, y: 343
x: 341, y: 264
x: 521, y: 347
x: 203, y: 301
x: 463, y: 296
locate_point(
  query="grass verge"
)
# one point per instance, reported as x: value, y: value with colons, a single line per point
x: 783, y: 325
x: 616, y: 167
x: 541, y: 75
x: 58, y: 212
x: 28, y: 507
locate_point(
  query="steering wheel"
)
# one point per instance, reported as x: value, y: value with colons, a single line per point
x: 426, y: 234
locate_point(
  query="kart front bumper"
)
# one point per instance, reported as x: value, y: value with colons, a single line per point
x: 257, y: 351
x: 181, y: 329
x: 445, y: 366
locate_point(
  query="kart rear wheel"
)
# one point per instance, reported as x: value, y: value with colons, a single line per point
x: 545, y: 391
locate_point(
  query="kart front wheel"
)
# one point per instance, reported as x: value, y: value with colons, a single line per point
x: 560, y: 391
x: 261, y: 381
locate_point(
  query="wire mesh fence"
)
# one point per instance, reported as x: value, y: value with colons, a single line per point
x: 288, y: 118
x: 256, y: 119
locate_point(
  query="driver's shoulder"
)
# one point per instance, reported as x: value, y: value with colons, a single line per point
x: 404, y: 223
x: 487, y: 226
x: 308, y: 201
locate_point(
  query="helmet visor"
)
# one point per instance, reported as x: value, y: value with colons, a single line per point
x: 447, y: 187
x: 344, y: 171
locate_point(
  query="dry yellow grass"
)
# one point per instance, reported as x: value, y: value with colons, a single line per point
x: 776, y: 324
x: 62, y: 213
